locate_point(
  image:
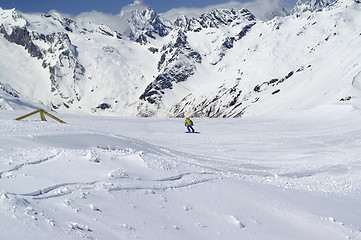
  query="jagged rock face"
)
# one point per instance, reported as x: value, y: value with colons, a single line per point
x: 229, y: 101
x: 59, y: 56
x: 9, y: 90
x: 66, y: 71
x: 215, y: 19
x: 145, y: 22
x: 59, y: 48
x: 178, y: 62
x: 14, y: 30
x: 236, y: 100
x: 309, y: 5
x: 67, y: 23
x: 23, y: 37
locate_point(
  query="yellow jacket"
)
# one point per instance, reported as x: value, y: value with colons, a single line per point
x: 188, y: 122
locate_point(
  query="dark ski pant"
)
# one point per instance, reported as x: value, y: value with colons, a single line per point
x: 190, y: 128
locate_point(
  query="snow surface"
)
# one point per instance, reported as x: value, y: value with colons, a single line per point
x: 294, y: 175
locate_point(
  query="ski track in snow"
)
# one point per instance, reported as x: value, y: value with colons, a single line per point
x: 38, y: 194
x: 135, y: 146
x: 18, y: 167
x: 212, y: 165
x: 216, y: 165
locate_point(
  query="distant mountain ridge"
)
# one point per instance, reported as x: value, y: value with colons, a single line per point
x: 225, y: 63
x: 310, y: 5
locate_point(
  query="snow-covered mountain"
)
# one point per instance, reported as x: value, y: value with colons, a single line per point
x: 310, y: 5
x: 224, y: 63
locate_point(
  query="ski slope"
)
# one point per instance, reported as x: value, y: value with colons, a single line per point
x: 294, y: 175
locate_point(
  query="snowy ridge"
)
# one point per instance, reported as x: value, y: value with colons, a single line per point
x: 307, y: 5
x: 143, y: 22
x: 11, y: 18
x: 215, y: 19
x: 225, y: 63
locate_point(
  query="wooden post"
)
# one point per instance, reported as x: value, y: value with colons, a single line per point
x: 53, y: 117
x: 27, y: 115
x: 42, y: 116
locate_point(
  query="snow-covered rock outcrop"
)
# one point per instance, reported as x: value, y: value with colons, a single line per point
x: 310, y: 5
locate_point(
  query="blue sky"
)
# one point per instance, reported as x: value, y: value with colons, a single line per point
x: 75, y: 7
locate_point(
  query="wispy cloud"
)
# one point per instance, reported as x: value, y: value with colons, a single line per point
x: 261, y: 8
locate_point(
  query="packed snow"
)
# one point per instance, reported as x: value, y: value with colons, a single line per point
x: 294, y: 175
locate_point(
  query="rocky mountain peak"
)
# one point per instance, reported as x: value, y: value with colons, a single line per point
x: 136, y: 6
x: 309, y: 5
x: 142, y: 21
x: 215, y: 19
x: 11, y: 18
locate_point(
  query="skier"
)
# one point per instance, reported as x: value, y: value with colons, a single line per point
x: 189, y: 124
